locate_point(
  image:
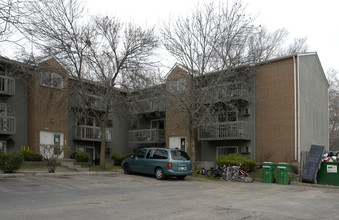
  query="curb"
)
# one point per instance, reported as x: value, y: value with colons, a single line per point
x: 58, y: 174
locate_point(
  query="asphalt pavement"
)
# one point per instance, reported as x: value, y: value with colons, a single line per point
x: 113, y: 195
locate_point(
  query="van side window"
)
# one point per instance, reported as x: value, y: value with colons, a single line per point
x: 157, y: 154
x: 140, y: 153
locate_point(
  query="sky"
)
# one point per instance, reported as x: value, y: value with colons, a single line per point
x: 314, y: 19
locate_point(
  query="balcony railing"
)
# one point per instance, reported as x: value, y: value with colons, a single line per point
x: 148, y: 105
x: 90, y: 133
x: 7, y: 125
x: 95, y: 102
x: 7, y: 85
x: 146, y: 136
x: 226, y: 92
x: 225, y: 131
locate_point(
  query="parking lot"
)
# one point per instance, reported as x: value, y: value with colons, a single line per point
x: 122, y: 196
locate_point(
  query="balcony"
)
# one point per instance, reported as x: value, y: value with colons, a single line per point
x: 90, y: 133
x: 146, y: 136
x: 7, y: 125
x: 225, y: 131
x: 95, y: 102
x: 7, y: 86
x: 148, y: 105
x: 226, y: 93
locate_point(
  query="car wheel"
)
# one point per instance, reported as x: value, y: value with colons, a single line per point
x: 159, y: 174
x: 127, y: 168
x: 181, y: 177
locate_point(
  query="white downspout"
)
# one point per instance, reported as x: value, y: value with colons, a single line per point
x: 295, y: 111
x: 298, y: 72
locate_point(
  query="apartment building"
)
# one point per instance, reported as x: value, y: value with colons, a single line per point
x: 148, y: 120
x: 39, y: 107
x: 272, y: 118
x: 13, y: 105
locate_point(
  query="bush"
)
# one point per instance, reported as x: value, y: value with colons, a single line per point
x: 82, y: 157
x: 236, y: 160
x: 11, y: 162
x: 31, y: 156
x: 119, y: 158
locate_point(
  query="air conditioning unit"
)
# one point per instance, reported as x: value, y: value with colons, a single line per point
x: 245, y: 111
x: 245, y: 150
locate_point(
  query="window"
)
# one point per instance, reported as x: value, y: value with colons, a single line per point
x: 88, y: 121
x: 140, y: 153
x: 3, y: 109
x: 179, y: 155
x: 52, y: 80
x: 227, y: 116
x: 3, y: 146
x: 158, y: 124
x: 226, y: 150
x: 157, y: 154
x: 2, y: 71
x: 178, y: 85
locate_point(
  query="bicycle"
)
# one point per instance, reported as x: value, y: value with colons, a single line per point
x: 234, y: 173
x: 215, y: 172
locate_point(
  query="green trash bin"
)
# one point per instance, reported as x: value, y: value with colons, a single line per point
x: 268, y: 172
x: 328, y: 174
x: 284, y: 173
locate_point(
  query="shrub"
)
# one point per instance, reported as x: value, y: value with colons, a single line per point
x: 31, y: 156
x: 82, y: 157
x: 236, y: 159
x: 119, y: 158
x: 11, y: 162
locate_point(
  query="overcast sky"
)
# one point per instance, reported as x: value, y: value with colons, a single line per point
x: 314, y: 19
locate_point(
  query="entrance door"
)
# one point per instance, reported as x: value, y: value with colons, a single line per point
x: 90, y: 151
x: 183, y: 144
x: 51, y: 138
x: 177, y: 142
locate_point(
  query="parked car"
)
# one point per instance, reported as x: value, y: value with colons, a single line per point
x: 161, y: 162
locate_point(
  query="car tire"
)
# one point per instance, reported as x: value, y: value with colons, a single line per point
x: 127, y: 168
x: 159, y: 174
x: 181, y: 177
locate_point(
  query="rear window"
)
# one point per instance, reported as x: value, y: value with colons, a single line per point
x: 179, y: 155
x: 157, y: 154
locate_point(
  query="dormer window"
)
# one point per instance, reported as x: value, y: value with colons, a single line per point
x: 53, y: 80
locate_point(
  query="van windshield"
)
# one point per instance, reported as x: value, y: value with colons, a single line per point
x: 179, y: 155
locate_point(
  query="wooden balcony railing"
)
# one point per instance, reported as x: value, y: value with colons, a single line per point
x: 225, y: 131
x: 146, y: 136
x: 7, y: 85
x: 226, y: 92
x: 149, y: 105
x: 95, y: 102
x: 7, y: 125
x: 90, y: 133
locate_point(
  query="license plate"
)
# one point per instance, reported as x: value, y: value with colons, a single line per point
x: 182, y: 168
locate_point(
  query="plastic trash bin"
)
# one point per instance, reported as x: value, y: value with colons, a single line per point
x: 283, y: 173
x: 268, y: 172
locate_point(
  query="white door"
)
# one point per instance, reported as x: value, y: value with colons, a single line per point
x: 51, y: 138
x: 178, y: 142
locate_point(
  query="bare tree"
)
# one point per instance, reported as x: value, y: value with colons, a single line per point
x: 264, y: 45
x: 211, y: 39
x: 102, y: 54
x: 333, y: 93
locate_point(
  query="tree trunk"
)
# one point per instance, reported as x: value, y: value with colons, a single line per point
x: 103, y: 147
x: 192, y: 147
